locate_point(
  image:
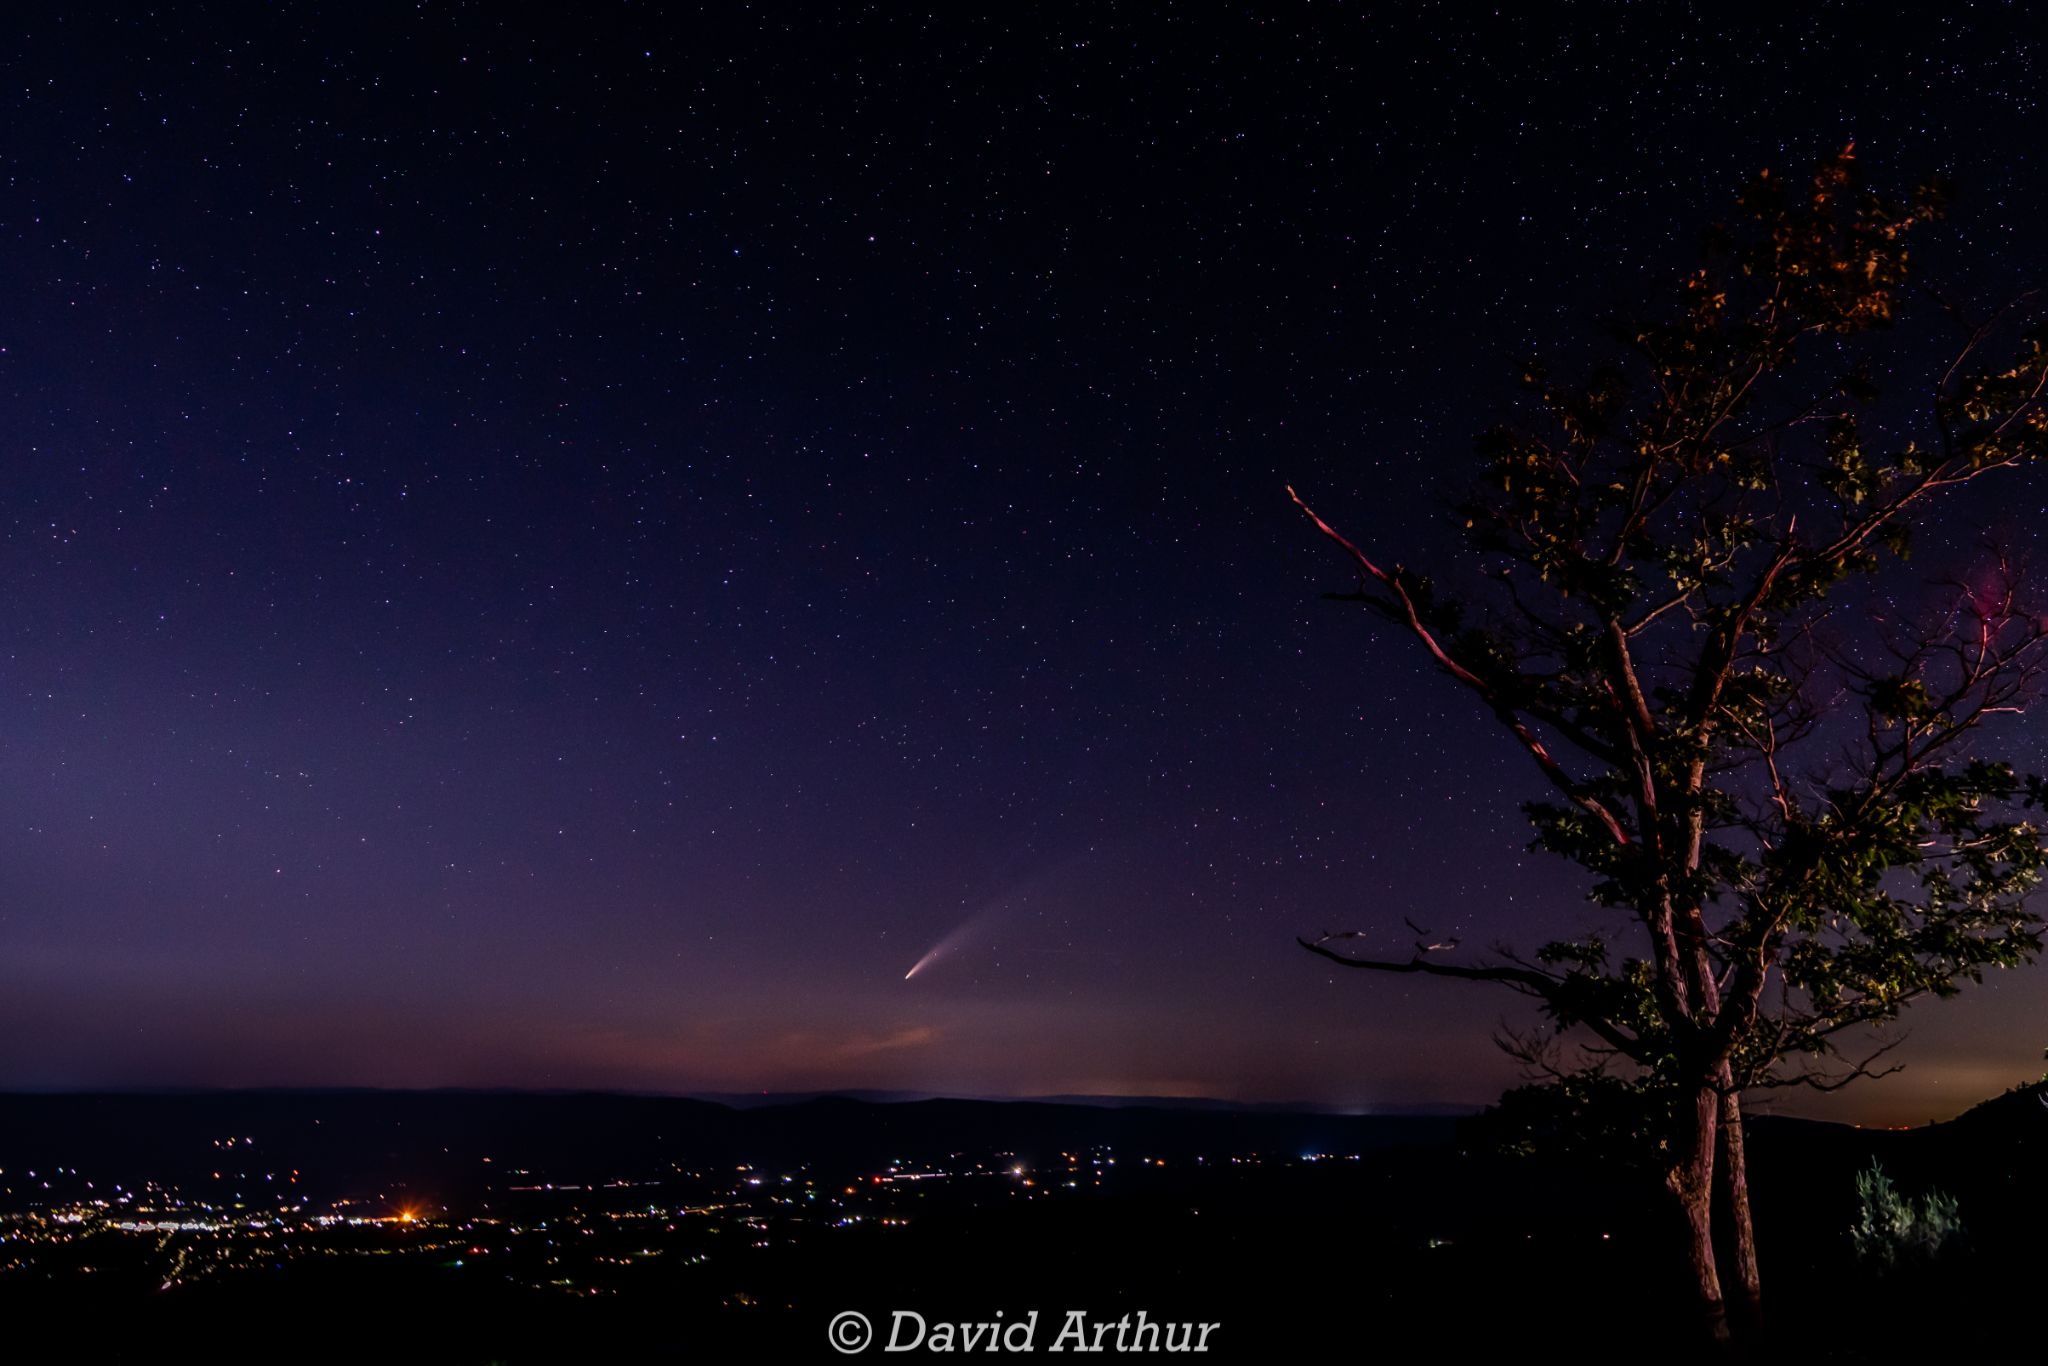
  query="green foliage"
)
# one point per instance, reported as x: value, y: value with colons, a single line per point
x: 1650, y: 504
x: 1893, y: 1230
x: 1586, y: 1116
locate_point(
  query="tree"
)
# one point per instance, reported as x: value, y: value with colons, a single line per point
x: 1790, y: 816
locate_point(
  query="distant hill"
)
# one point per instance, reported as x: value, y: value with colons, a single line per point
x: 751, y: 1100
x: 2021, y: 1111
x: 347, y: 1142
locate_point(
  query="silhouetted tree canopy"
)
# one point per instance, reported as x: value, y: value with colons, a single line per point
x: 1777, y: 784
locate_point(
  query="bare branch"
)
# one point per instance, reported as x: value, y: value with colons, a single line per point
x: 1503, y: 710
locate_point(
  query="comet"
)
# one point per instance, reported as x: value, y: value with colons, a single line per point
x: 1055, y: 882
x: 957, y: 938
x: 954, y: 939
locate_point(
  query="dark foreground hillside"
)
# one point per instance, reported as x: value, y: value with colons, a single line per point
x: 574, y: 1228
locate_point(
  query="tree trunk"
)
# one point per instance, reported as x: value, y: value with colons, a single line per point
x: 1691, y: 1182
x: 1735, y: 1178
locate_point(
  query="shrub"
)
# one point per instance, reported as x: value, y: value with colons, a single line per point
x: 1893, y: 1229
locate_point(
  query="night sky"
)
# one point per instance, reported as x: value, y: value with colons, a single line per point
x: 574, y: 550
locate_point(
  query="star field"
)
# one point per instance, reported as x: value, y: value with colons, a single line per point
x: 572, y: 549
